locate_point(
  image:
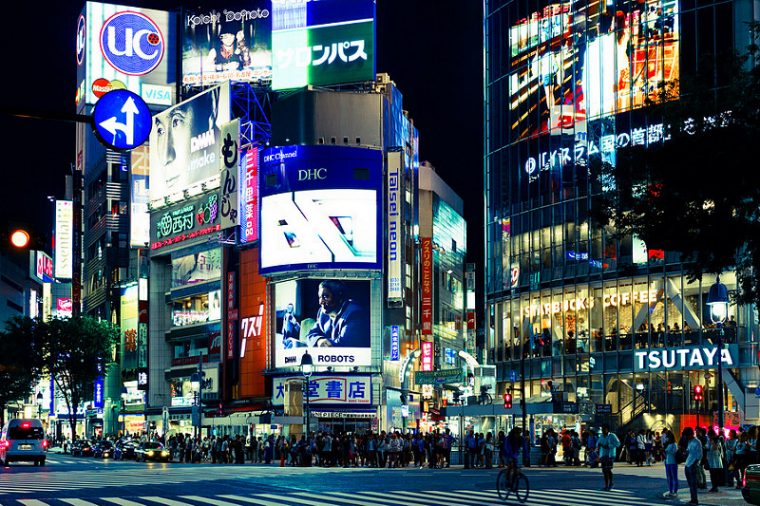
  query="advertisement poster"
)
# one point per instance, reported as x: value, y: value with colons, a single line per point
x: 139, y: 220
x: 205, y: 265
x: 427, y: 286
x: 64, y: 237
x: 185, y: 143
x: 328, y: 317
x: 233, y: 43
x: 120, y: 47
x: 319, y: 208
x: 128, y: 319
x: 577, y: 61
x: 322, y: 43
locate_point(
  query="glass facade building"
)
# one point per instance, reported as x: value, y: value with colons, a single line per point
x: 567, y: 85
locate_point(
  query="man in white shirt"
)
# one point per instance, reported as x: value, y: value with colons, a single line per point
x: 608, y: 444
x: 693, y: 457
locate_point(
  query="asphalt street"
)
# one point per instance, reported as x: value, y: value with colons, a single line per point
x: 86, y: 482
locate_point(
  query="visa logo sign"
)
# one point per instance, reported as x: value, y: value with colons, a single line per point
x: 156, y: 94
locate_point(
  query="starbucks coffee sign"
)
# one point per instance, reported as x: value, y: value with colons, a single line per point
x: 685, y: 358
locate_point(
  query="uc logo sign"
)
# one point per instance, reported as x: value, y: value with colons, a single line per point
x: 131, y: 43
x: 81, y: 29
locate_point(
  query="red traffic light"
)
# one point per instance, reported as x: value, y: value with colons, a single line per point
x: 508, y: 401
x: 698, y: 392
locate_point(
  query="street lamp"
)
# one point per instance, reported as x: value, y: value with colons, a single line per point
x: 20, y: 238
x: 196, y: 384
x: 40, y: 401
x: 717, y: 301
x: 307, y: 367
x: 123, y: 396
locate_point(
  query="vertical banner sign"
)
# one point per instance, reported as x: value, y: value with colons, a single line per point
x: 229, y: 173
x: 427, y: 286
x: 394, y: 343
x: 98, y: 393
x: 232, y: 315
x: 393, y: 231
x: 427, y: 356
x: 249, y: 202
x: 64, y: 236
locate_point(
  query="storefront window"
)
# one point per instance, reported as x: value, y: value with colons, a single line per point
x: 597, y: 319
x: 610, y: 316
x: 199, y: 267
x: 203, y: 308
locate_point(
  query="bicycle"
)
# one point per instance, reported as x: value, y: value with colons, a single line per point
x: 518, y: 485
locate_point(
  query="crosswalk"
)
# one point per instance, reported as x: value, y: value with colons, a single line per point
x: 551, y: 497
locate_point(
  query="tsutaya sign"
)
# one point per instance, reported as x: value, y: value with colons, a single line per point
x: 686, y: 358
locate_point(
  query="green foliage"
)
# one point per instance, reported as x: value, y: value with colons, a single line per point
x: 19, y: 367
x: 697, y: 193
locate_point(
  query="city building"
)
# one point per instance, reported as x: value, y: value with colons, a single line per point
x: 588, y: 328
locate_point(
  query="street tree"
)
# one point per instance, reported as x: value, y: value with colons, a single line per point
x: 75, y: 352
x: 697, y: 192
x: 19, y: 368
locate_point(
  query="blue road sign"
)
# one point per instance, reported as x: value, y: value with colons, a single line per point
x: 122, y: 120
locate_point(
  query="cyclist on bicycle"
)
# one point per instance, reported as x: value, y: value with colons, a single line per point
x: 511, y: 450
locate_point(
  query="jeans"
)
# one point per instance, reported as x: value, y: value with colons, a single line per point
x: 691, y: 479
x: 671, y: 472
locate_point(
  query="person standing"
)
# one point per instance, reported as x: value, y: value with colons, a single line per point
x: 608, y: 443
x: 731, y: 467
x: 715, y: 460
x: 671, y: 465
x: 693, y: 457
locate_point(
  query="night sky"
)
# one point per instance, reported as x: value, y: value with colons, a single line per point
x: 432, y: 49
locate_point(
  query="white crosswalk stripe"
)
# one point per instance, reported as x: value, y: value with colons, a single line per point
x: 546, y: 497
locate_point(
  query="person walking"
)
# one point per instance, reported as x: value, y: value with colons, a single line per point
x: 701, y: 434
x: 608, y: 443
x: 671, y: 465
x: 731, y: 467
x: 693, y: 457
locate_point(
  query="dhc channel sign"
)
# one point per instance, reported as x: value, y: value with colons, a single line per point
x: 132, y: 43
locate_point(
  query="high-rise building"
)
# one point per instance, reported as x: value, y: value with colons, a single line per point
x: 598, y: 327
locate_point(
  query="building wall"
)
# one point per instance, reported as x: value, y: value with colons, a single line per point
x: 253, y: 307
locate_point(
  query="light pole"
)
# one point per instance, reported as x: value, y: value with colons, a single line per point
x: 123, y: 401
x: 717, y: 300
x: 307, y: 367
x: 196, y: 381
x: 40, y: 400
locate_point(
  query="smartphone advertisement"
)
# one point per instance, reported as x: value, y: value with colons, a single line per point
x: 319, y: 208
x: 327, y: 317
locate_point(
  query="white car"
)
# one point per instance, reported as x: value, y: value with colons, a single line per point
x: 23, y: 440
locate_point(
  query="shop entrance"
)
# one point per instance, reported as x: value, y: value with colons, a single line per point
x: 344, y: 425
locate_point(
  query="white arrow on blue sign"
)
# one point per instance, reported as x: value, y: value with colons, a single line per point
x: 122, y: 120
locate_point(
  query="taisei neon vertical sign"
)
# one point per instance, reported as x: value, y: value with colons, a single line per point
x: 427, y: 286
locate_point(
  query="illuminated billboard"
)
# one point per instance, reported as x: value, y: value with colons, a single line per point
x: 191, y: 220
x: 64, y: 239
x: 578, y: 61
x: 328, y: 317
x: 249, y: 195
x: 131, y: 48
x: 319, y: 208
x: 233, y: 43
x: 139, y: 217
x: 185, y: 142
x: 128, y: 319
x: 322, y: 42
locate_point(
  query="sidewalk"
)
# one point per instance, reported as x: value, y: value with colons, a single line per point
x: 725, y: 497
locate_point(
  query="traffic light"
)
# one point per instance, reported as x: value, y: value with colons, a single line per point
x: 698, y: 392
x: 507, y: 401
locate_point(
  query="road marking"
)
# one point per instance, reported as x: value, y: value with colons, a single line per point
x: 452, y: 499
x: 32, y: 502
x: 121, y: 502
x: 207, y: 500
x: 248, y: 500
x: 164, y: 500
x: 291, y: 498
x: 350, y: 498
x: 419, y: 499
x: 78, y: 502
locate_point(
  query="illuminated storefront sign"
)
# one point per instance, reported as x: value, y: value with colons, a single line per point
x: 393, y: 226
x: 63, y: 308
x: 230, y: 155
x: 353, y: 390
x: 426, y: 358
x: 64, y: 238
x: 232, y: 313
x: 427, y: 286
x: 576, y: 304
x: 686, y: 358
x: 249, y: 201
x: 42, y: 266
x: 395, y: 352
x: 625, y: 298
x: 187, y: 222
x: 583, y: 303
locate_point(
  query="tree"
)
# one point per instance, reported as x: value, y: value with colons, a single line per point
x: 75, y: 352
x: 697, y: 193
x: 19, y: 367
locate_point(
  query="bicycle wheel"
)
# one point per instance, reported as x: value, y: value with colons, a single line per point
x: 502, y: 487
x: 521, y: 487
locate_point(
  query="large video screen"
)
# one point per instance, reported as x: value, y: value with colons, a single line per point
x: 322, y: 42
x: 185, y: 142
x: 327, y: 317
x: 575, y: 61
x: 233, y: 43
x: 121, y: 47
x: 320, y: 208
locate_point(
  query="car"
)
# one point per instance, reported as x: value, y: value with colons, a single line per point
x: 81, y: 448
x: 23, y: 439
x: 751, y: 484
x: 103, y: 450
x: 124, y: 450
x: 151, y: 450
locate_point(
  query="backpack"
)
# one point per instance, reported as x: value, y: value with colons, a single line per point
x: 680, y: 455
